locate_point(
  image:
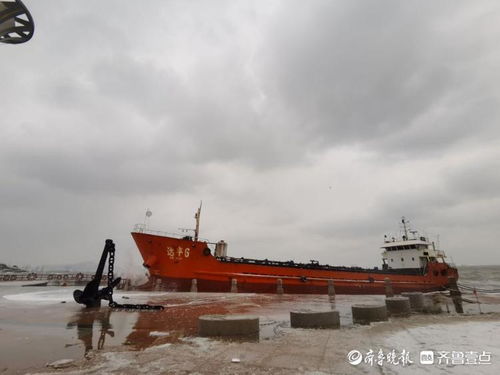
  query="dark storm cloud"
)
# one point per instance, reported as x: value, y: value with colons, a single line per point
x: 405, y: 78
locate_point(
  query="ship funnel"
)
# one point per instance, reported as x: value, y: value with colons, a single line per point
x: 221, y: 249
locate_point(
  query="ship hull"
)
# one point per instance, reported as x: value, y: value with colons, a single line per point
x: 174, y: 263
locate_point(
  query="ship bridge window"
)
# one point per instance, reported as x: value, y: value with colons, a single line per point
x: 409, y: 247
x: 403, y: 247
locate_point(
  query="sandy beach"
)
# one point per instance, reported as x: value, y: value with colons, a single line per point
x: 39, y: 327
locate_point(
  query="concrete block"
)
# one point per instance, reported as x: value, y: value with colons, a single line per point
x: 314, y: 319
x: 365, y: 314
x: 416, y: 300
x: 398, y: 306
x: 228, y: 325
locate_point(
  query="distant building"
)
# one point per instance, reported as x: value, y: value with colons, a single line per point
x: 16, y: 23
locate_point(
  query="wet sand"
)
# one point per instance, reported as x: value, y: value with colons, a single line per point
x: 36, y: 329
x: 303, y: 351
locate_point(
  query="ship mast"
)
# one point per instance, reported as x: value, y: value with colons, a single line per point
x: 197, y: 217
x: 403, y: 220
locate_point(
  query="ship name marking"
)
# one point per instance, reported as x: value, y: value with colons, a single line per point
x: 180, y: 252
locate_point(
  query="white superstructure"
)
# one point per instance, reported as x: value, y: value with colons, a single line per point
x: 408, y: 252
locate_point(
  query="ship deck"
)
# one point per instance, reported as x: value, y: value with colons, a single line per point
x: 314, y: 265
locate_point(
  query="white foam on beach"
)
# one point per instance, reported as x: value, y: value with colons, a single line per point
x: 158, y: 333
x: 53, y: 295
x: 458, y: 337
x: 157, y: 347
x: 65, y: 294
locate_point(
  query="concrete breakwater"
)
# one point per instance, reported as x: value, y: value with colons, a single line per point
x: 58, y: 278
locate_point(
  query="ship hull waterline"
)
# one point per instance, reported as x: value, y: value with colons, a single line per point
x: 174, y: 264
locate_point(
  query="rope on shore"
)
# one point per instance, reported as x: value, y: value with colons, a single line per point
x: 448, y: 298
x: 481, y: 290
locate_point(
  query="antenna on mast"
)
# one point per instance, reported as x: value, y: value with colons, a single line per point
x: 197, y: 217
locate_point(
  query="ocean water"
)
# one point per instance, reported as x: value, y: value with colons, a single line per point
x: 39, y: 325
x: 485, y: 277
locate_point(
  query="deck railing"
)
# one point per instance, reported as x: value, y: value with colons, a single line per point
x: 142, y: 228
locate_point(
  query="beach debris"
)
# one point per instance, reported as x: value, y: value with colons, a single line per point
x: 61, y: 363
x: 365, y: 314
x: 315, y: 319
x: 235, y: 360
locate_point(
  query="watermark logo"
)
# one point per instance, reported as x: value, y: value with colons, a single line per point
x: 379, y: 357
x: 427, y: 357
x: 355, y: 357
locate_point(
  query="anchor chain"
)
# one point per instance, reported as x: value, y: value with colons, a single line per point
x: 115, y: 305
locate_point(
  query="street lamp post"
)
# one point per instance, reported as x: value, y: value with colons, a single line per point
x: 16, y: 23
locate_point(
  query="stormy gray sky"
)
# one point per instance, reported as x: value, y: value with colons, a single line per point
x: 308, y: 128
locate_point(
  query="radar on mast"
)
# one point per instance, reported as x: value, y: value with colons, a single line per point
x: 146, y: 218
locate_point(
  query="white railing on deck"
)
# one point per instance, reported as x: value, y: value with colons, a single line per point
x: 141, y: 228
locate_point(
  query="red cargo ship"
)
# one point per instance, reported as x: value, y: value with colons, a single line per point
x: 412, y: 263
